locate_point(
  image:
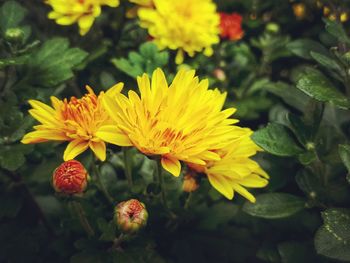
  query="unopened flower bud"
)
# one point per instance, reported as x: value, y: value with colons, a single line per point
x: 299, y: 10
x: 70, y: 178
x: 272, y: 27
x: 131, y: 216
x: 190, y: 183
x: 14, y: 35
x: 346, y: 56
x: 220, y: 74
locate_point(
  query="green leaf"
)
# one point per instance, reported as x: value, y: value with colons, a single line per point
x: 317, y: 86
x: 217, y: 215
x: 333, y: 238
x: 295, y: 252
x: 125, y: 66
x: 326, y: 61
x: 303, y: 48
x: 344, y: 153
x: 107, y: 229
x: 148, y: 50
x: 53, y: 62
x: 289, y: 94
x: 274, y: 205
x: 299, y: 128
x: 11, y: 15
x: 145, y: 61
x: 12, y: 157
x: 336, y: 29
x: 276, y: 139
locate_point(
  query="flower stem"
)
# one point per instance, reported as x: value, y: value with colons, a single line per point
x: 188, y: 200
x: 161, y: 183
x: 78, y: 209
x: 127, y: 164
x: 100, y: 183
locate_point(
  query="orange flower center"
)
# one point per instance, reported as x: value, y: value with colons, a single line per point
x: 82, y: 117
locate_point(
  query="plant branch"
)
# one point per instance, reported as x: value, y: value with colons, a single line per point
x: 78, y: 209
x: 101, y: 185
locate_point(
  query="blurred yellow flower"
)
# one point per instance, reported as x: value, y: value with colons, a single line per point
x: 83, y: 12
x: 235, y: 170
x: 185, y: 25
x: 147, y: 3
x: 74, y: 120
x: 180, y: 122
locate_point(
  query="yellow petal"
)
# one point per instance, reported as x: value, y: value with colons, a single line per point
x: 111, y: 107
x: 242, y: 191
x: 117, y: 88
x: 41, y: 106
x: 43, y: 136
x: 172, y: 165
x: 111, y: 3
x: 112, y: 134
x: 179, y: 57
x: 99, y: 148
x: 44, y: 117
x: 85, y: 23
x: 66, y: 20
x: 75, y: 148
x: 221, y: 185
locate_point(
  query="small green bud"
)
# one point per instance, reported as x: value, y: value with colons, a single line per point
x: 14, y: 35
x: 310, y: 146
x: 272, y: 27
x: 346, y: 57
x: 131, y: 216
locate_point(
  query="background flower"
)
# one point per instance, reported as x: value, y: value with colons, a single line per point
x: 185, y: 25
x: 231, y: 26
x: 83, y: 12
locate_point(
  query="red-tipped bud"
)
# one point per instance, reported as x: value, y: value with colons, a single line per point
x: 131, y: 216
x: 70, y: 178
x: 190, y: 183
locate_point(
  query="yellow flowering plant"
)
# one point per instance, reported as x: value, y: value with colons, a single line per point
x: 225, y: 139
x: 82, y: 12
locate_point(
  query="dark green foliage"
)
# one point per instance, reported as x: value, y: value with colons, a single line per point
x: 289, y: 79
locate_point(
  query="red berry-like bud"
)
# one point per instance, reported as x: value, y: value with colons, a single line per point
x: 70, y: 178
x: 131, y: 216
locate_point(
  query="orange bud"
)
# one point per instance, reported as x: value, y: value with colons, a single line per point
x: 190, y: 183
x: 70, y: 178
x: 299, y: 10
x: 131, y: 216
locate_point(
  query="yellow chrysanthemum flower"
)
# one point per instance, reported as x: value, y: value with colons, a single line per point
x: 147, y: 3
x: 74, y: 120
x: 235, y: 170
x: 183, y: 122
x: 83, y: 12
x: 185, y: 25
